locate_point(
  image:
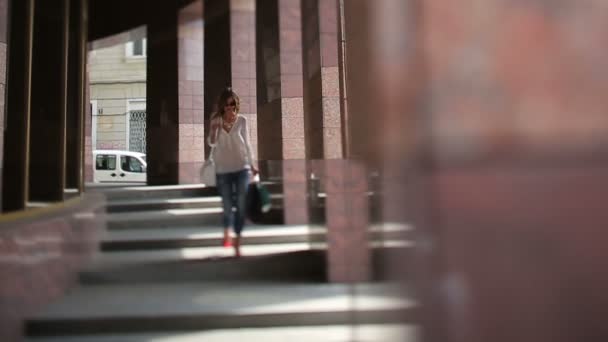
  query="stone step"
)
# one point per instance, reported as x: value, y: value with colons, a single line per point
x: 212, y: 236
x: 208, y: 236
x: 298, y: 265
x: 167, y: 191
x: 354, y: 332
x: 178, y: 218
x: 148, y: 191
x: 155, y: 204
x: 260, y: 263
x: 142, y: 308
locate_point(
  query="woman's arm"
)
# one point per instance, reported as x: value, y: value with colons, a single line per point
x: 246, y: 137
x: 214, y: 127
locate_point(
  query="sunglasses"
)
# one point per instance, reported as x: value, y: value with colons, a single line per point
x: 230, y: 104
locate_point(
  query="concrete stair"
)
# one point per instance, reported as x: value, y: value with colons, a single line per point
x: 162, y: 275
x: 211, y: 236
x: 117, y: 193
x: 207, y: 201
x: 114, y: 309
x: 191, y: 201
x: 348, y: 332
x: 285, y: 267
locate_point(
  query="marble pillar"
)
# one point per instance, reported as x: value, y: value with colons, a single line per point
x: 47, y: 150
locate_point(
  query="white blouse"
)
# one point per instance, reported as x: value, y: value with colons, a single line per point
x: 232, y: 150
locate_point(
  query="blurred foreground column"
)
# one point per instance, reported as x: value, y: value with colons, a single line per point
x: 347, y: 212
x: 495, y: 140
x: 520, y: 137
x: 346, y: 204
x: 384, y: 76
x: 295, y: 191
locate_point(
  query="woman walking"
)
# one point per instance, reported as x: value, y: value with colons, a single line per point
x: 233, y: 162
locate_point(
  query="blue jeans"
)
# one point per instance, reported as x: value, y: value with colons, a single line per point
x: 232, y: 186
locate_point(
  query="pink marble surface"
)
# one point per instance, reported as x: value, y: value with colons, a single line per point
x: 190, y: 93
x: 39, y: 258
x: 347, y: 215
x: 295, y: 191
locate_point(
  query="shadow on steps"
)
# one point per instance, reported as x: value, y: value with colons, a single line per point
x: 284, y: 267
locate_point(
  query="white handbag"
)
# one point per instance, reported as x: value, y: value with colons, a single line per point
x: 208, y: 170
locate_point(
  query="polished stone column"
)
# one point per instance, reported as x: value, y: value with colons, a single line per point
x: 17, y: 124
x: 217, y: 66
x: 295, y: 191
x: 357, y: 75
x: 190, y: 92
x: 321, y: 79
x: 280, y: 100
x: 76, y: 105
x: 230, y: 57
x: 292, y: 96
x: 243, y: 61
x: 162, y: 113
x: 279, y: 80
x: 49, y: 100
x: 88, y: 130
x: 268, y: 71
x: 3, y: 63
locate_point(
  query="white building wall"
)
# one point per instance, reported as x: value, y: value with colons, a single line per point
x: 115, y: 78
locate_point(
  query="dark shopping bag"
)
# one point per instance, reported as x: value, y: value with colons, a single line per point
x: 258, y: 201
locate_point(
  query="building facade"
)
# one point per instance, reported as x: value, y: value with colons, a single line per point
x: 117, y: 76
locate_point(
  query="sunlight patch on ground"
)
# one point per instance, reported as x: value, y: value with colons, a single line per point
x: 210, y: 252
x: 360, y: 333
x: 183, y: 212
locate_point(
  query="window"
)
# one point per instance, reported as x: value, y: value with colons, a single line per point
x: 136, y: 125
x: 137, y: 48
x: 94, y: 115
x: 131, y: 164
x: 105, y: 162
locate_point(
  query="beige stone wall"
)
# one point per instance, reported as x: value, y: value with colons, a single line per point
x: 112, y: 65
x: 115, y: 79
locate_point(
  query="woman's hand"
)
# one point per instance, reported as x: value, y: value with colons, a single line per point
x: 254, y: 170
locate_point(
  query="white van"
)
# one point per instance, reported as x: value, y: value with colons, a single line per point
x: 119, y: 166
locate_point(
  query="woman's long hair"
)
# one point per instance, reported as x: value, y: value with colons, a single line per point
x: 223, y: 99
